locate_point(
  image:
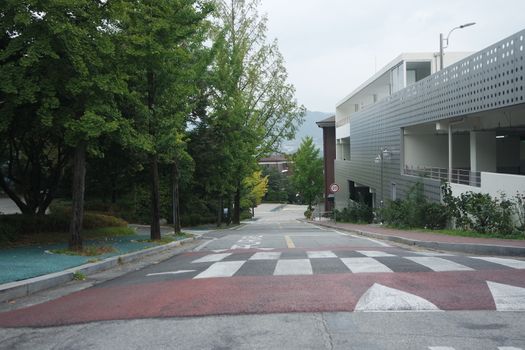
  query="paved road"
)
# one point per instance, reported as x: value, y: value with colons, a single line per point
x: 280, y: 283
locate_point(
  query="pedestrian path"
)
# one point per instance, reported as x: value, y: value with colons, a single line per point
x: 452, y: 348
x: 309, y: 262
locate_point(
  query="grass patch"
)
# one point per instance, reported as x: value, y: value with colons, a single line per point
x: 167, y: 238
x: 463, y: 233
x: 79, y: 276
x: 63, y: 237
x: 90, y: 250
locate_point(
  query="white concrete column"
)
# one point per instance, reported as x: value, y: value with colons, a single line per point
x: 483, y: 151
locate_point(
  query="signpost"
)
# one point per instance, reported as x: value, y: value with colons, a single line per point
x: 334, y: 188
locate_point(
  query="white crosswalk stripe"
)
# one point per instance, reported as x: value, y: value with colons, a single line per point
x: 362, y: 265
x: 516, y: 264
x: 266, y: 256
x: 321, y: 254
x: 373, y: 253
x: 212, y: 257
x: 221, y: 269
x: 438, y: 264
x: 293, y: 267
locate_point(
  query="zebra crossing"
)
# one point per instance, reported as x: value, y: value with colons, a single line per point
x: 311, y: 262
x: 358, y: 261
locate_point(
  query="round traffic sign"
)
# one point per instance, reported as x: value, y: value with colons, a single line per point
x: 334, y: 188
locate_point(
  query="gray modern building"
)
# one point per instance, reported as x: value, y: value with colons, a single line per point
x: 410, y: 122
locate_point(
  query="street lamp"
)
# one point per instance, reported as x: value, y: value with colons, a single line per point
x: 442, y: 45
x: 383, y: 154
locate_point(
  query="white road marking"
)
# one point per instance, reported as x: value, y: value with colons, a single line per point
x: 219, y: 250
x: 374, y: 253
x: 432, y: 254
x: 265, y: 248
x: 438, y: 264
x: 321, y: 254
x: 364, y: 237
x: 362, y: 265
x: 248, y: 242
x: 169, y: 273
x: 221, y: 269
x: 212, y: 258
x: 293, y: 267
x: 516, y: 264
x: 507, y: 298
x: 440, y: 348
x: 204, y: 244
x: 266, y: 256
x: 381, y: 298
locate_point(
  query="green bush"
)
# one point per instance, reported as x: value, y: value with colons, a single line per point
x: 16, y: 224
x: 436, y: 216
x: 308, y: 214
x: 415, y: 211
x: 481, y: 212
x: 356, y: 213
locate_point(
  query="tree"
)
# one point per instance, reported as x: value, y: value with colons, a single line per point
x: 255, y: 187
x: 251, y: 94
x: 308, y: 171
x: 57, y: 57
x: 163, y: 40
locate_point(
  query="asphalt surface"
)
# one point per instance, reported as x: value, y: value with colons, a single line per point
x: 280, y: 283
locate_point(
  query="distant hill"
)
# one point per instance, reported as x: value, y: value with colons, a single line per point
x: 309, y: 128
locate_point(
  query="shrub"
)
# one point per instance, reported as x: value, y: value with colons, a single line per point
x: 415, y: 211
x: 436, y: 216
x: 308, y: 213
x: 356, y: 213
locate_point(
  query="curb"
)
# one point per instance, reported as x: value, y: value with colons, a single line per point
x: 469, y: 248
x: 18, y: 289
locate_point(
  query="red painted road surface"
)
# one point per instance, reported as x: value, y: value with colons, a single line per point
x: 260, y: 294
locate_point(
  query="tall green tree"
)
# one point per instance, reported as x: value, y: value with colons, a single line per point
x: 308, y: 171
x: 57, y: 59
x: 252, y: 97
x: 163, y: 39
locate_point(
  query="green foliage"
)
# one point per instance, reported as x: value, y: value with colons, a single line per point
x: 90, y: 250
x: 415, y: 211
x: 480, y: 212
x: 79, y: 276
x: 255, y: 187
x: 308, y: 171
x: 308, y: 213
x: 356, y: 213
x: 280, y: 188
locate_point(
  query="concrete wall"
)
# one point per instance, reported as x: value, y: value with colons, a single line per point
x: 494, y: 184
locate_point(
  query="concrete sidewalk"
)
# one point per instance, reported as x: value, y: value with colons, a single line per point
x: 470, y: 245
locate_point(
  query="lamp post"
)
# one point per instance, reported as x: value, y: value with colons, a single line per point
x: 442, y: 45
x: 383, y: 154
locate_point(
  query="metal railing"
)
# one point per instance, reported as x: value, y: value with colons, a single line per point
x: 459, y: 176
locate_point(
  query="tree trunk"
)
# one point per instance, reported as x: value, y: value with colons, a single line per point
x: 155, y: 198
x: 237, y: 206
x: 79, y: 179
x: 176, y: 210
x: 219, y: 213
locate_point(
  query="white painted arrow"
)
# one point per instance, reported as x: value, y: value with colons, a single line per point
x: 506, y: 297
x: 381, y: 298
x: 169, y: 272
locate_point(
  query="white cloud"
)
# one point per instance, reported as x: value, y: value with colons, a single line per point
x: 330, y: 46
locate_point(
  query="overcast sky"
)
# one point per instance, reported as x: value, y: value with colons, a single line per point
x: 332, y: 46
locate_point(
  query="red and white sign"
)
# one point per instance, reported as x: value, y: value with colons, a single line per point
x: 334, y: 188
